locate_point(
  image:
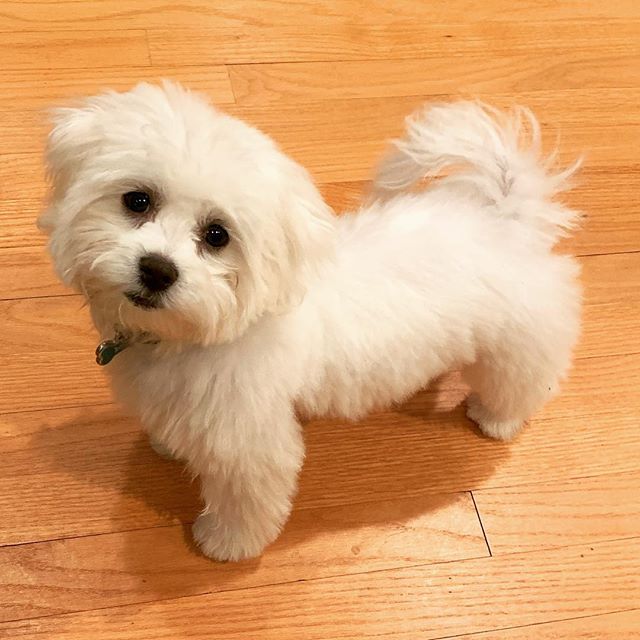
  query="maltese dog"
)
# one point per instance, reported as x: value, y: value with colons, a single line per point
x: 234, y: 302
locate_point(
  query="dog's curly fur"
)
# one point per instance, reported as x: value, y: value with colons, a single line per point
x: 303, y: 312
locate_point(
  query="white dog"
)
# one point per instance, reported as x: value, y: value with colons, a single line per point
x: 244, y: 302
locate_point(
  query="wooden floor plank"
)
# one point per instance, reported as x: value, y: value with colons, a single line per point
x: 423, y: 602
x: 44, y: 88
x: 349, y: 131
x: 73, y: 49
x: 157, y: 564
x: 112, y: 483
x: 401, y: 39
x: 341, y: 140
x: 612, y: 626
x: 67, y: 377
x: 610, y: 225
x: 190, y: 14
x: 350, y: 140
x: 52, y: 428
x: 554, y: 514
x: 22, y: 184
x: 611, y: 303
x: 27, y: 272
x: 483, y: 73
x: 49, y: 325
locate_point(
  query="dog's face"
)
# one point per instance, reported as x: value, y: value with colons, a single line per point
x: 176, y: 219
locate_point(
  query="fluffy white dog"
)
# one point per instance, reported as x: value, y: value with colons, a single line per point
x: 244, y: 302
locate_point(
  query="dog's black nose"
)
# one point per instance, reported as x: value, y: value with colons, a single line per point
x: 156, y: 272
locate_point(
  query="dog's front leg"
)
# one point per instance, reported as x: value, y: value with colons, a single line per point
x: 247, y: 490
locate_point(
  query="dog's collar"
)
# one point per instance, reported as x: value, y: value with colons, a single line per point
x: 107, y: 350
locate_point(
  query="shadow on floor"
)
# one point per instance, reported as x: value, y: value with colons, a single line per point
x: 415, y: 458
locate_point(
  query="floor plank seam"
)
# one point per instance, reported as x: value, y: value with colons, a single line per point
x: 537, y: 624
x: 484, y: 533
x: 98, y: 534
x: 537, y: 483
x: 59, y: 406
x: 570, y: 545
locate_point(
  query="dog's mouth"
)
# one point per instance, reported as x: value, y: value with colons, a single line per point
x: 143, y: 301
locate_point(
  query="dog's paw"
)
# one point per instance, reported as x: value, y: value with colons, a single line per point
x: 218, y: 543
x: 489, y: 425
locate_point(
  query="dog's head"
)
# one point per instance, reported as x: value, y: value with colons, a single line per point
x: 176, y: 219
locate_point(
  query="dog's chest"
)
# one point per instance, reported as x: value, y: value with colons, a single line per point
x: 163, y: 387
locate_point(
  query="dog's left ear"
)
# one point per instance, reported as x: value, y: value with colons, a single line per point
x: 311, y: 223
x: 294, y: 241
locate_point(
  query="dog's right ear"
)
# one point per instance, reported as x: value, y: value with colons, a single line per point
x: 73, y: 134
x: 74, y: 131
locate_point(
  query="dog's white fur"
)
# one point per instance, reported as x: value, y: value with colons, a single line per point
x: 306, y: 313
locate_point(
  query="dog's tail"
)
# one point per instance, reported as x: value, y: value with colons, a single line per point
x: 498, y: 155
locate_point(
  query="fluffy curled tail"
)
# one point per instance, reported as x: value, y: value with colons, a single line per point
x: 498, y: 155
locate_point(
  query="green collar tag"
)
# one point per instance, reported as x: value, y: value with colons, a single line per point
x: 108, y: 349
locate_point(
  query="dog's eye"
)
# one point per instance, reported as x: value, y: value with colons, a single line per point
x: 137, y: 201
x: 215, y: 235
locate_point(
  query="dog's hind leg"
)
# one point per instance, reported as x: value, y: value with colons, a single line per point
x: 508, y: 386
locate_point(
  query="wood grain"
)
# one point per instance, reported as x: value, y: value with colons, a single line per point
x: 51, y: 325
x: 612, y: 626
x: 61, y: 376
x: 114, y: 483
x: 46, y: 87
x: 399, y: 39
x: 18, y: 219
x: 341, y: 139
x: 23, y: 131
x: 349, y: 140
x: 421, y: 602
x: 473, y: 74
x: 21, y: 184
x: 152, y: 564
x: 27, y: 272
x: 557, y: 514
x: 73, y: 49
x: 611, y: 305
x: 190, y: 14
x: 35, y: 429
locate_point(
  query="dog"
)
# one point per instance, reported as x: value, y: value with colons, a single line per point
x: 234, y: 303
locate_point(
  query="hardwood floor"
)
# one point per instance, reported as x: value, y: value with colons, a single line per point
x: 408, y: 524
